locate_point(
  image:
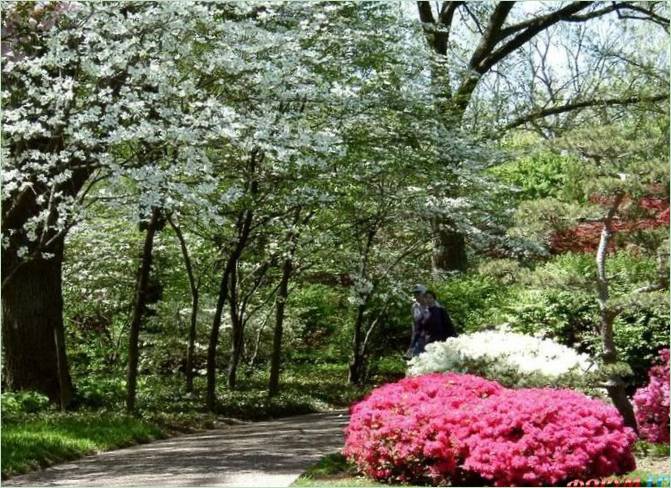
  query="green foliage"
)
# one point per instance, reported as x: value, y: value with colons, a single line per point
x: 563, y: 315
x: 473, y: 300
x: 15, y: 404
x: 332, y: 470
x: 558, y: 300
x: 99, y: 391
x: 387, y: 368
x: 645, y: 448
x: 505, y: 271
x: 543, y: 174
x: 317, y: 313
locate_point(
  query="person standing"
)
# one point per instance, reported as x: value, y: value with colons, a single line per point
x: 420, y: 312
x: 437, y: 326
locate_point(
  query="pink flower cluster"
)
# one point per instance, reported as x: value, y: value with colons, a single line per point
x: 652, y: 403
x: 545, y: 437
x: 407, y: 431
x: 453, y: 427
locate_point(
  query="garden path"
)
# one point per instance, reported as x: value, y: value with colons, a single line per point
x: 263, y: 454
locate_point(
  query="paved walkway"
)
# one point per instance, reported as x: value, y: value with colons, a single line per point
x: 271, y: 453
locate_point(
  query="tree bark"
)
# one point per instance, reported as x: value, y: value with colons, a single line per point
x: 356, y: 366
x: 211, y: 397
x: 33, y: 332
x: 237, y: 337
x: 276, y: 357
x: 193, y: 286
x: 244, y: 227
x: 139, y: 309
x: 32, y: 327
x: 449, y: 247
x: 614, y: 384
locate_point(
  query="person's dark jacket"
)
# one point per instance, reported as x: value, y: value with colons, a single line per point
x: 438, y: 326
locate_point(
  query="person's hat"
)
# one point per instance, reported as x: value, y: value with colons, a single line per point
x: 419, y: 289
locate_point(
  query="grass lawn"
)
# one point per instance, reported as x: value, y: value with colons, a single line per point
x: 38, y: 441
x: 60, y: 437
x: 332, y: 470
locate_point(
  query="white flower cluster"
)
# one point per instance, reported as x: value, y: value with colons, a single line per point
x: 497, y: 354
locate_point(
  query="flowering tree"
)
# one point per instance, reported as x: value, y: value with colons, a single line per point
x: 476, y: 49
x: 89, y: 93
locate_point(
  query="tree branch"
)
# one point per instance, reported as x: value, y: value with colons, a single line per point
x: 491, y: 35
x: 604, y: 102
x: 534, y: 27
x: 650, y: 15
x: 425, y: 13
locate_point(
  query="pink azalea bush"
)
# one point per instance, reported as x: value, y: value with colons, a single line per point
x: 405, y: 431
x: 449, y: 427
x: 652, y: 403
x: 543, y: 437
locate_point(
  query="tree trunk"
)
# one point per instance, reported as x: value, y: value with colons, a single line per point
x: 449, y: 247
x: 32, y: 327
x: 243, y: 225
x: 211, y: 397
x: 615, y: 384
x: 193, y: 286
x: 356, y: 366
x: 237, y: 336
x: 33, y: 333
x: 139, y: 309
x: 276, y: 358
x: 192, y: 342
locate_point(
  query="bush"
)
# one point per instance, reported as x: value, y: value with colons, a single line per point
x: 512, y: 359
x: 544, y: 437
x: 403, y: 432
x: 17, y: 403
x: 447, y: 427
x: 652, y: 403
x: 540, y: 175
x: 559, y: 302
x: 99, y: 391
x: 473, y: 300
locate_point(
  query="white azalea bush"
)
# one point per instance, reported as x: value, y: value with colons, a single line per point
x: 514, y: 360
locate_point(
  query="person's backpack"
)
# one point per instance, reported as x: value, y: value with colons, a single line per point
x: 450, y: 331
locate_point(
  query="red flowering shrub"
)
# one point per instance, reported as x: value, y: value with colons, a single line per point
x: 584, y: 237
x: 652, y: 403
x: 447, y: 426
x: 546, y: 437
x: 407, y: 431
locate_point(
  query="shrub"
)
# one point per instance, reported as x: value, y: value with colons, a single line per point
x: 546, y: 437
x: 447, y: 427
x: 558, y: 302
x: 15, y: 404
x: 652, y: 403
x: 405, y: 431
x: 510, y: 358
x: 653, y: 212
x: 474, y: 300
x: 99, y: 391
